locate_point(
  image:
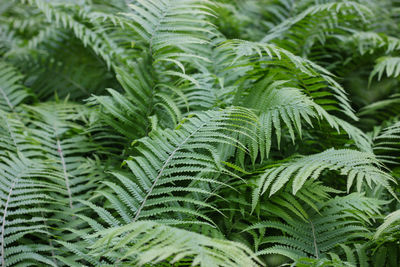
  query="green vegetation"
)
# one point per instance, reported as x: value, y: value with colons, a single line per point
x: 199, y: 133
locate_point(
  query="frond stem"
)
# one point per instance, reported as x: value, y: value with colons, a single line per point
x: 64, y: 166
x: 7, y: 100
x: 3, y: 224
x: 315, y: 240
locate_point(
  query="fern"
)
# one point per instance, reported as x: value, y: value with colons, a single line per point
x: 387, y: 142
x: 199, y: 133
x: 388, y: 66
x: 371, y: 41
x: 390, y: 224
x: 188, y: 164
x: 12, y: 92
x: 316, y: 23
x: 334, y: 223
x: 313, y: 78
x: 148, y: 242
x: 358, y: 166
x: 23, y: 194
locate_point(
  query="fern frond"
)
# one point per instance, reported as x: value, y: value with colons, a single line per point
x: 316, y: 81
x: 391, y: 224
x: 387, y: 144
x: 386, y: 65
x: 368, y: 42
x: 172, y: 28
x: 101, y: 45
x: 172, y: 164
x: 54, y: 127
x: 334, y: 261
x: 334, y: 223
x: 147, y: 242
x: 12, y: 92
x: 316, y: 23
x: 361, y: 167
x: 23, y: 186
x: 129, y: 115
x: 283, y: 106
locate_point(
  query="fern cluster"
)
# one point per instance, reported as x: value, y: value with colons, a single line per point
x: 199, y: 133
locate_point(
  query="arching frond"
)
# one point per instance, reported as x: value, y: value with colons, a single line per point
x: 175, y: 171
x: 360, y: 167
x: 100, y: 44
x: 171, y: 27
x: 283, y: 106
x: 386, y: 65
x: 334, y: 223
x: 300, y: 32
x: 316, y: 81
x: 382, y: 110
x: 391, y: 224
x: 368, y: 42
x: 147, y: 242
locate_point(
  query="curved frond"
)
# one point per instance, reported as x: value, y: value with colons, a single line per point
x: 177, y: 170
x: 360, y: 167
x: 391, y: 224
x: 316, y: 81
x: 316, y: 23
x: 386, y: 65
x: 334, y: 223
x: 147, y: 242
x: 172, y: 28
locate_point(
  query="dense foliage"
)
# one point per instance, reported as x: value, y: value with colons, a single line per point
x: 199, y: 132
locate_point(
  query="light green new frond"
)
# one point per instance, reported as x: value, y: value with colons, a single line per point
x: 147, y: 242
x: 12, y: 92
x: 391, y: 224
x: 386, y: 65
x: 361, y: 168
x: 368, y: 42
